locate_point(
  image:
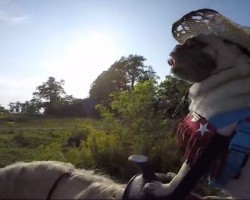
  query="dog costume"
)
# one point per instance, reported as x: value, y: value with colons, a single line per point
x: 217, y: 130
x: 210, y: 113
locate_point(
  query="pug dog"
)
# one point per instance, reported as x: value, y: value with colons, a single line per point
x: 220, y: 72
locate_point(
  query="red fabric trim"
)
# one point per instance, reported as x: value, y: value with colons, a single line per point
x: 194, y: 133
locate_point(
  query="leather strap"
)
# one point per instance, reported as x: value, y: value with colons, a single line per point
x: 66, y: 174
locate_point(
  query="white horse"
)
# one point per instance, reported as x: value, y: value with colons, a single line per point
x: 58, y: 180
x: 55, y: 180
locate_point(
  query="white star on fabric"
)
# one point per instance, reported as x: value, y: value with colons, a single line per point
x: 203, y: 129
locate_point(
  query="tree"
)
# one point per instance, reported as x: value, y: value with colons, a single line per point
x: 131, y: 117
x: 134, y: 111
x: 51, y: 93
x: 121, y: 76
x: 2, y: 110
x: 31, y: 107
x: 15, y: 107
x: 28, y: 107
x: 105, y: 84
x: 135, y: 70
x: 172, y: 97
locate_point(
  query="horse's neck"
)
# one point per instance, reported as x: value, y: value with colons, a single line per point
x: 25, y: 180
x: 35, y: 180
x: 86, y: 185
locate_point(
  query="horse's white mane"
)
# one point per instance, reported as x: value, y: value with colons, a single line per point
x: 34, y: 181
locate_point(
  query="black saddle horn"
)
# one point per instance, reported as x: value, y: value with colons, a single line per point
x: 143, y: 163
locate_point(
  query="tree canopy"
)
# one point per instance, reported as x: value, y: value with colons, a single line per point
x: 171, y: 97
x: 50, y: 93
x: 121, y: 76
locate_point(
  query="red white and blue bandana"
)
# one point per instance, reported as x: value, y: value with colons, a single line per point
x: 194, y: 133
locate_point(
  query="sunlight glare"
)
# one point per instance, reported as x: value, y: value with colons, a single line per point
x: 83, y: 61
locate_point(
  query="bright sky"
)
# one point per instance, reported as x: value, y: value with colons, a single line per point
x: 76, y: 40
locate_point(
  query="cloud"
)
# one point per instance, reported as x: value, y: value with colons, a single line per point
x: 12, y: 18
x: 11, y: 13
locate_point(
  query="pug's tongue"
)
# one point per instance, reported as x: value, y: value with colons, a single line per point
x: 171, y: 61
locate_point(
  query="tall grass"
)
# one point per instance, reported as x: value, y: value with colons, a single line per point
x: 103, y: 147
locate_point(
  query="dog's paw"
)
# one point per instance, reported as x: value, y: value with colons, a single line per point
x: 171, y: 175
x: 156, y: 188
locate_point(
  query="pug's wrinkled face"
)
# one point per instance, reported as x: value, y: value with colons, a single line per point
x: 200, y: 57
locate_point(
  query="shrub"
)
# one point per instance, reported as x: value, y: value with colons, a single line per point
x: 78, y: 134
x: 75, y: 156
x: 21, y: 140
x: 52, y: 151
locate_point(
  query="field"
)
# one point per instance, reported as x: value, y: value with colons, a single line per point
x: 26, y: 139
x: 43, y: 138
x: 86, y: 143
x: 82, y: 142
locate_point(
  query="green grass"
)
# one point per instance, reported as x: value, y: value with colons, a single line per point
x: 105, y: 147
x: 42, y: 122
x: 22, y: 140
